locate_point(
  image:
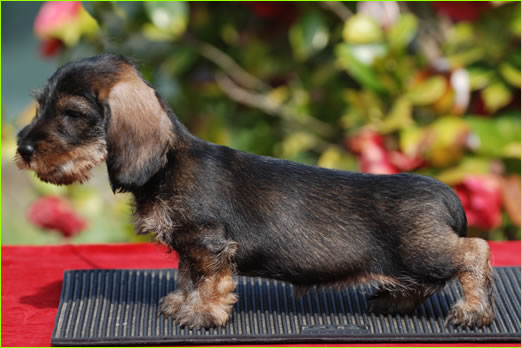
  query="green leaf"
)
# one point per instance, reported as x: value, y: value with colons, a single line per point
x: 399, y: 117
x: 495, y: 136
x: 510, y: 74
x: 514, y: 24
x: 467, y: 166
x: 180, y: 61
x: 428, y: 91
x: 410, y: 140
x: 446, y: 138
x: 296, y: 143
x: 99, y: 9
x: 169, y: 19
x: 308, y: 36
x: 335, y: 158
x: 44, y: 188
x: 367, y: 53
x: 441, y: 143
x: 364, y: 74
x: 361, y: 29
x: 402, y: 31
x: 466, y: 57
x: 479, y: 77
x: 132, y: 10
x: 496, y: 96
x: 461, y: 34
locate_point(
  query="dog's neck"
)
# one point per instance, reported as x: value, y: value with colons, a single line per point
x: 158, y: 207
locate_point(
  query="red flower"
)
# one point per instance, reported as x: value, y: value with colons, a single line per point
x: 65, y: 21
x: 51, y: 20
x: 461, y: 10
x: 481, y: 197
x: 373, y: 156
x: 50, y: 47
x: 53, y: 212
x: 53, y: 15
x: 269, y: 9
x: 478, y: 107
x: 404, y: 162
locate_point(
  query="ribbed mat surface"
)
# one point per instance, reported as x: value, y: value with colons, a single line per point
x: 120, y: 307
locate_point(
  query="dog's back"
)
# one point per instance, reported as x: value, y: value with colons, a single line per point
x: 311, y: 225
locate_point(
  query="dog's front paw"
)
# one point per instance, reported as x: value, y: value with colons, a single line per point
x: 201, y: 318
x: 196, y: 313
x: 466, y: 315
x: 171, y: 304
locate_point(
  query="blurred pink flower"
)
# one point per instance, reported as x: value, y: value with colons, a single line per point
x: 373, y: 156
x: 62, y: 24
x: 461, y: 10
x: 51, y: 212
x: 404, y: 162
x: 54, y: 15
x: 385, y: 13
x: 481, y: 197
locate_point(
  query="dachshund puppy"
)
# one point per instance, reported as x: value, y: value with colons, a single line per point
x: 228, y: 212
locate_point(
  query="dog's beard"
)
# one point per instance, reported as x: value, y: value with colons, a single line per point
x: 67, y: 168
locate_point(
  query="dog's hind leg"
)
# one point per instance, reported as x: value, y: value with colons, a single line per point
x: 475, y: 274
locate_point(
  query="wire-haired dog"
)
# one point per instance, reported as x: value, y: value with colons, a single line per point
x: 228, y: 212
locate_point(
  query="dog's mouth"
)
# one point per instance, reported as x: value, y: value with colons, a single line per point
x: 73, y: 167
x: 21, y: 162
x: 58, y: 174
x: 73, y: 171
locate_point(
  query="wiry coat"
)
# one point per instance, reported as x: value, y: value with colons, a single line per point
x: 229, y: 212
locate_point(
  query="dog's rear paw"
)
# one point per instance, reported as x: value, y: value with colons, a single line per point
x: 466, y: 315
x: 171, y: 304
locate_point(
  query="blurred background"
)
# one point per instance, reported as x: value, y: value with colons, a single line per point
x: 378, y: 87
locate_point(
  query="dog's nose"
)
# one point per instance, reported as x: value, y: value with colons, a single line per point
x: 26, y: 151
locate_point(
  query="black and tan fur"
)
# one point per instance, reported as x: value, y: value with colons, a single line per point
x: 228, y: 212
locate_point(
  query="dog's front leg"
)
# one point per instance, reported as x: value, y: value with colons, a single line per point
x: 204, y: 297
x: 172, y: 303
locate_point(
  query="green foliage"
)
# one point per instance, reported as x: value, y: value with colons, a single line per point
x: 296, y: 81
x: 308, y: 36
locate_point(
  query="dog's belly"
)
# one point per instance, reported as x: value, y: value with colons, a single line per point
x: 301, y: 275
x: 306, y: 259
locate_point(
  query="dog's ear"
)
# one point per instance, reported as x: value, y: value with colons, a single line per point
x: 139, y: 132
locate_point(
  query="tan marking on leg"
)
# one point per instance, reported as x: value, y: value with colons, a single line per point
x: 210, y: 304
x: 476, y: 309
x: 208, y: 283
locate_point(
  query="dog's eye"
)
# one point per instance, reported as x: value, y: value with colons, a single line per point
x: 73, y: 113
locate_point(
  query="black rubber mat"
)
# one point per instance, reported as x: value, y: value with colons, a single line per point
x: 120, y: 307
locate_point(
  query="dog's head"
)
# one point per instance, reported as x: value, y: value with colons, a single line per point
x: 92, y: 110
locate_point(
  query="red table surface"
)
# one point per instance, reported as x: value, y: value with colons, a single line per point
x: 32, y: 280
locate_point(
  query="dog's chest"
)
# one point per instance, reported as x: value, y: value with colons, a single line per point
x: 159, y: 216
